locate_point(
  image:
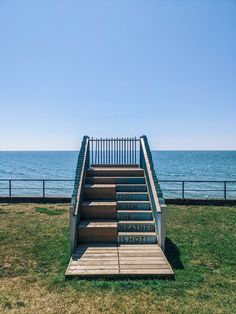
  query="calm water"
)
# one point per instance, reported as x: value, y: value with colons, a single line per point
x: 170, y: 165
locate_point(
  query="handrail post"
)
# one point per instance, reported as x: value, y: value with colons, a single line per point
x: 9, y: 188
x: 225, y: 190
x: 43, y: 188
x: 183, y: 189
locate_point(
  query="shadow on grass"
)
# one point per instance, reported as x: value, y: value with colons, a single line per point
x: 173, y: 254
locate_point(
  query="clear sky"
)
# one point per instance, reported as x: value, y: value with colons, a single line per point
x: 164, y: 68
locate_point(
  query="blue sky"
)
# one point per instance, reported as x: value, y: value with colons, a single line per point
x: 166, y: 69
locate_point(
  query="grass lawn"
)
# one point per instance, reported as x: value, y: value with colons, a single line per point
x: 34, y: 254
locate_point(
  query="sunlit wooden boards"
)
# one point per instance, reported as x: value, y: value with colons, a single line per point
x: 104, y: 259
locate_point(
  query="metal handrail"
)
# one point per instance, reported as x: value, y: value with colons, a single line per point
x: 155, y: 193
x: 77, y: 196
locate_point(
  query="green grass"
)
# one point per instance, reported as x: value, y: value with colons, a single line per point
x: 34, y: 254
x: 49, y: 212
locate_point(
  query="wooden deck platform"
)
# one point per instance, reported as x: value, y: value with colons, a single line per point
x: 115, y: 260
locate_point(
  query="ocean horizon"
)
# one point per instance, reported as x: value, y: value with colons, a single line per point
x: 169, y: 165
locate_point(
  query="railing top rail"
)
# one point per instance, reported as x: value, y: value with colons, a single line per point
x: 150, y: 175
x: 160, y: 180
x: 39, y: 180
x: 198, y: 181
x: 80, y: 171
x: 114, y: 138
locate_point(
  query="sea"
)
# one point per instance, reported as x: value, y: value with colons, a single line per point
x: 170, y: 166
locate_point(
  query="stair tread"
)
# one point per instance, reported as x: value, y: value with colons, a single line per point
x: 130, y: 184
x: 97, y: 224
x: 116, y: 168
x: 134, y: 211
x: 114, y: 177
x: 97, y: 203
x: 131, y: 192
x: 98, y: 185
x: 136, y: 233
x: 139, y: 202
x: 136, y: 222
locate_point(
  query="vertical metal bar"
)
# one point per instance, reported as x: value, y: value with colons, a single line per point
x: 101, y: 150
x: 225, y: 190
x: 95, y: 151
x: 9, y: 188
x: 135, y: 149
x: 130, y: 150
x: 106, y: 152
x: 43, y: 188
x: 117, y: 150
x: 122, y: 148
x: 92, y: 150
x: 182, y: 189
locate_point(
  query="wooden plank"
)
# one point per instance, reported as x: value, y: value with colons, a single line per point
x: 92, y: 272
x: 164, y: 271
x: 95, y: 262
x: 105, y: 266
x: 149, y: 266
x: 140, y: 262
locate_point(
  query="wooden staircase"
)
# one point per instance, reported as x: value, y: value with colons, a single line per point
x: 116, y: 234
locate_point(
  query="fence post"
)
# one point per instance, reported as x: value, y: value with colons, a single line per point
x: 43, y: 188
x: 9, y: 188
x: 182, y: 189
x: 225, y: 191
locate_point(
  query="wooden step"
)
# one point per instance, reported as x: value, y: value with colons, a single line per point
x: 132, y: 196
x: 137, y: 237
x: 134, y: 215
x: 115, y: 180
x: 136, y: 205
x: 107, y: 259
x: 99, y: 192
x: 117, y: 172
x: 131, y: 188
x: 97, y: 231
x: 136, y: 226
x: 98, y: 210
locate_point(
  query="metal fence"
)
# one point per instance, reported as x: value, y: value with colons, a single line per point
x: 114, y: 151
x: 36, y: 187
x: 204, y: 189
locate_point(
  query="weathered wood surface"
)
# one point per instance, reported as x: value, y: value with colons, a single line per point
x: 95, y: 259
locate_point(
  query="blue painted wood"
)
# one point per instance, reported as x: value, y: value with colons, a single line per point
x: 132, y: 196
x: 136, y: 205
x: 137, y: 239
x: 134, y: 215
x: 131, y: 188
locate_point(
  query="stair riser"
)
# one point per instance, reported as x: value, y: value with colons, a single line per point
x: 131, y: 188
x: 124, y: 227
x: 98, y: 235
x: 131, y: 197
x: 99, y: 194
x: 114, y: 173
x: 130, y: 206
x: 97, y: 212
x: 133, y: 216
x: 137, y: 239
x: 114, y: 180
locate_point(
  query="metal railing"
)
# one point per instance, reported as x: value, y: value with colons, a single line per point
x: 188, y: 188
x: 114, y: 151
x: 224, y: 189
x: 36, y: 187
x: 156, y: 198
